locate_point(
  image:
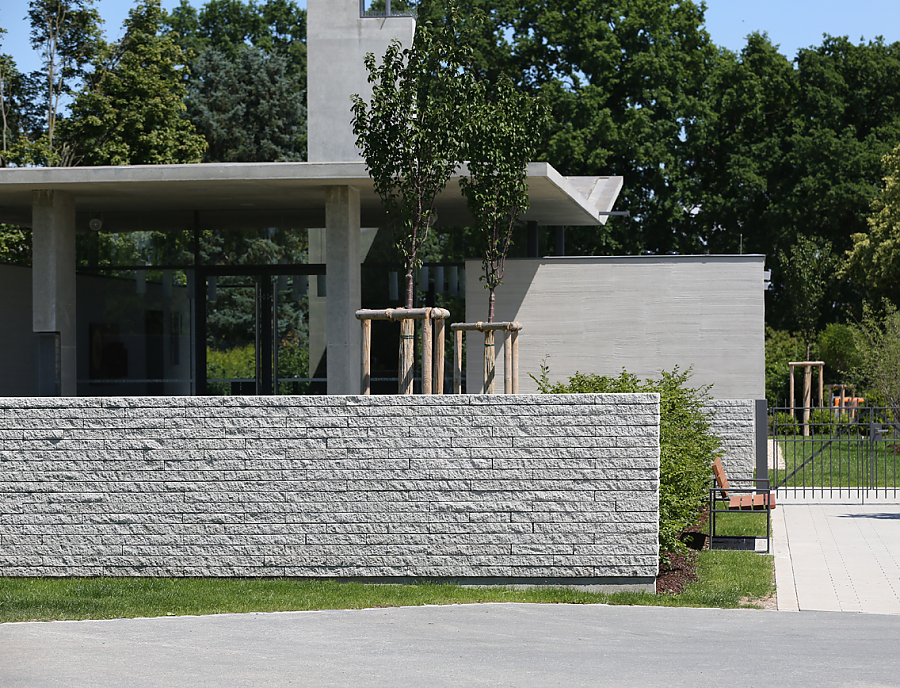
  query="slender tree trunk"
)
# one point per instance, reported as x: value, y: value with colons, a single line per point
x: 410, y: 287
x: 491, y: 300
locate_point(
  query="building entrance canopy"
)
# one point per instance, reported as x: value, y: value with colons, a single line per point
x: 298, y: 187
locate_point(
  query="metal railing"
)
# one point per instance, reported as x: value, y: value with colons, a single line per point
x: 834, y: 452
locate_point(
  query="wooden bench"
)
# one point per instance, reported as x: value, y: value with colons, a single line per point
x: 747, y: 499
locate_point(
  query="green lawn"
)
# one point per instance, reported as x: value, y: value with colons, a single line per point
x: 853, y: 462
x: 726, y: 578
x: 740, y: 523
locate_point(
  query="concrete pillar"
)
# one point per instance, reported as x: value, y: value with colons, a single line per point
x: 53, y: 276
x: 342, y: 259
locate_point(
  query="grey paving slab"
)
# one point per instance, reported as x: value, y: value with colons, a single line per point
x: 474, y: 645
x: 838, y: 556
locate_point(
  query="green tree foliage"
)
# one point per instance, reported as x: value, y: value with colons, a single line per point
x: 878, y: 344
x: 130, y: 111
x: 837, y: 349
x: 67, y: 35
x: 625, y: 80
x: 250, y: 108
x: 848, y: 118
x: 809, y: 269
x: 248, y: 84
x: 874, y: 260
x: 409, y: 132
x: 739, y: 151
x: 15, y: 245
x: 687, y: 447
x: 11, y: 111
x: 781, y: 348
x: 501, y: 139
x: 275, y: 27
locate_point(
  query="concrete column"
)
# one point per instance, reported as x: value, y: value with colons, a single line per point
x: 53, y: 276
x: 342, y: 259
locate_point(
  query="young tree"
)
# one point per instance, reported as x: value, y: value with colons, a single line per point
x: 502, y: 137
x: 130, y: 111
x: 808, y: 270
x: 410, y: 133
x: 878, y: 348
x: 874, y: 260
x: 67, y: 35
x: 10, y: 96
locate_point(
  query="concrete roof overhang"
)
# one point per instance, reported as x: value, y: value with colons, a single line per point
x: 298, y: 188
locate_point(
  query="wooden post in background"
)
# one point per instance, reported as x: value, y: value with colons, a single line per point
x: 426, y: 353
x: 457, y: 362
x: 514, y: 337
x: 439, y: 328
x: 366, y: 356
x: 489, y: 362
x: 407, y: 356
x: 508, y: 363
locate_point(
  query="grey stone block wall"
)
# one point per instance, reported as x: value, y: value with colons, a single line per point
x: 734, y: 421
x: 525, y: 488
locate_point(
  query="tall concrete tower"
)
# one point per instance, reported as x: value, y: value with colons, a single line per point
x: 338, y: 39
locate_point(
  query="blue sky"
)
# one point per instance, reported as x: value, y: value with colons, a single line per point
x: 792, y: 24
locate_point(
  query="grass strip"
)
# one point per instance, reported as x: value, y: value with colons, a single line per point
x: 726, y: 578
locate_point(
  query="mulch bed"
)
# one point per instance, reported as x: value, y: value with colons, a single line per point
x: 681, y: 569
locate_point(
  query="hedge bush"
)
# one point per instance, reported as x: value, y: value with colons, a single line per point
x: 687, y: 447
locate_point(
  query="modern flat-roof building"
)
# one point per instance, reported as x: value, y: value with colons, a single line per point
x: 129, y: 262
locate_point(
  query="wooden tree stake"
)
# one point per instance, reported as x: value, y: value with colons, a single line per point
x: 407, y: 355
x: 514, y: 336
x: 439, y: 329
x: 366, y: 356
x: 426, y: 353
x: 489, y: 362
x: 457, y: 361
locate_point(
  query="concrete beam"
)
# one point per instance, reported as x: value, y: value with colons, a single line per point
x: 342, y: 282
x: 53, y: 276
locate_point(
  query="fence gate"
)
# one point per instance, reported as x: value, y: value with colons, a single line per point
x: 834, y: 453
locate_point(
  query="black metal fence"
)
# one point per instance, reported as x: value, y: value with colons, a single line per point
x: 834, y: 452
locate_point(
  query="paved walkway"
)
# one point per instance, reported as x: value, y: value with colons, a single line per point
x: 833, y: 555
x: 473, y: 645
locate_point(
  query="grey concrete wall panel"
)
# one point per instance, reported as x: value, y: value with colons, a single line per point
x: 532, y: 489
x: 641, y: 313
x: 337, y: 43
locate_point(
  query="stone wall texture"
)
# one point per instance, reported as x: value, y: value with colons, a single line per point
x: 734, y: 422
x: 519, y: 489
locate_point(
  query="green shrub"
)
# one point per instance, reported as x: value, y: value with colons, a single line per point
x: 825, y: 421
x: 783, y: 423
x: 687, y: 447
x: 237, y: 362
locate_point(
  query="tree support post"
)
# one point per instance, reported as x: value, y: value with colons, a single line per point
x: 407, y: 318
x: 807, y: 389
x: 511, y: 355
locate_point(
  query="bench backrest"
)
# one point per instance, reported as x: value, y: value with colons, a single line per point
x: 721, y: 478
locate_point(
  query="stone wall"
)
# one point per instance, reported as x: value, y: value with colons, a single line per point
x: 530, y: 489
x: 734, y: 421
